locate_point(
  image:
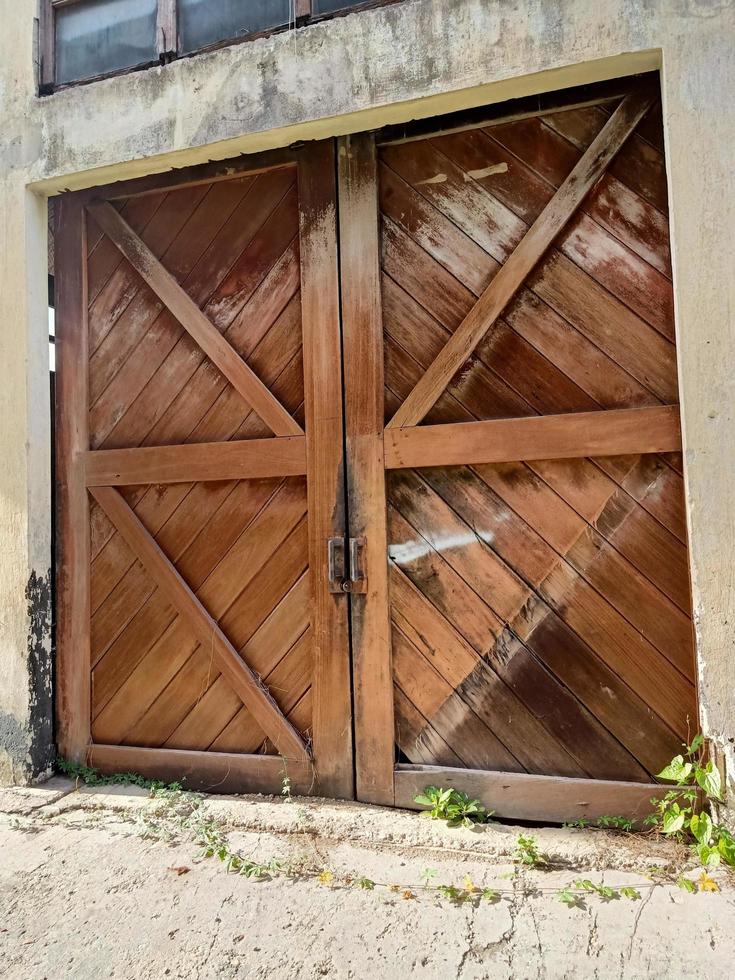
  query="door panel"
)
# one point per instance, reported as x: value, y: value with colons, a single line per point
x: 515, y: 285
x: 201, y: 476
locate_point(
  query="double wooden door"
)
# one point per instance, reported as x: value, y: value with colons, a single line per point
x: 368, y: 469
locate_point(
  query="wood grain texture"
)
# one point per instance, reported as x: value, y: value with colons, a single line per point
x: 252, y: 692
x: 220, y: 772
x: 510, y: 277
x: 200, y: 328
x: 362, y: 326
x: 612, y: 433
x: 332, y: 710
x: 167, y: 41
x: 530, y: 613
x: 247, y: 459
x: 527, y: 797
x: 72, y: 522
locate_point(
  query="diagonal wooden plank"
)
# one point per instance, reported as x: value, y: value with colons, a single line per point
x: 519, y: 264
x: 199, y: 326
x: 252, y: 692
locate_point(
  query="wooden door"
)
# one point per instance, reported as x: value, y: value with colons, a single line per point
x: 513, y: 450
x: 200, y: 477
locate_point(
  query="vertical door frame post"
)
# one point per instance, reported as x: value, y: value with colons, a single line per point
x: 332, y: 700
x: 362, y: 325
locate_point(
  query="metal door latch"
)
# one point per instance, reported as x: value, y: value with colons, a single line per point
x: 341, y: 578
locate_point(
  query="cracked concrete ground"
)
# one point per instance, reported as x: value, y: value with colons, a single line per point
x: 84, y: 895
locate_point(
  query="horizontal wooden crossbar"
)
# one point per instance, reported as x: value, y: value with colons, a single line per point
x: 247, y: 459
x: 222, y: 772
x: 614, y: 433
x: 522, y: 796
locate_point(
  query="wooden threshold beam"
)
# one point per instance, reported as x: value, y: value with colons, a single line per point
x: 244, y: 460
x: 193, y: 320
x: 220, y: 772
x: 511, y: 275
x: 619, y: 432
x: 249, y: 688
x: 522, y: 796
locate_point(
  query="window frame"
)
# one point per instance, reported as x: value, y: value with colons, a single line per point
x: 168, y: 43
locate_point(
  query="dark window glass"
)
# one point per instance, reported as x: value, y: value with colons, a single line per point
x: 202, y: 22
x: 98, y: 36
x: 330, y: 6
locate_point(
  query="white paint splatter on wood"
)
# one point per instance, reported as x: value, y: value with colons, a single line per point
x: 496, y: 168
x: 436, y: 179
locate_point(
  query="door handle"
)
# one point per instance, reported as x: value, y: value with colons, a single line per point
x: 337, y: 579
x: 336, y: 565
x: 358, y: 578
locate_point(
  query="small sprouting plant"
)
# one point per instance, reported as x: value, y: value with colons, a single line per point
x: 427, y: 876
x: 677, y: 814
x: 286, y: 788
x: 527, y: 852
x: 452, y: 805
x: 615, y: 823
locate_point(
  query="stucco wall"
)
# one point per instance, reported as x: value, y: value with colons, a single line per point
x: 414, y: 59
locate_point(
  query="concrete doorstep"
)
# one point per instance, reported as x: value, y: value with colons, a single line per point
x: 109, y: 882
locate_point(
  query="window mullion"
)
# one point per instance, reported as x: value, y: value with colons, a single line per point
x: 167, y: 43
x: 47, y: 44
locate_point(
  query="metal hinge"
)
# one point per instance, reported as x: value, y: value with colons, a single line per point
x: 340, y: 578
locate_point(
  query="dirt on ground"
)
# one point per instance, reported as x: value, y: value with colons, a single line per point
x: 108, y: 882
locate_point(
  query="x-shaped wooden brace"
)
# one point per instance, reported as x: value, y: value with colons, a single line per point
x: 528, y: 252
x: 197, y: 325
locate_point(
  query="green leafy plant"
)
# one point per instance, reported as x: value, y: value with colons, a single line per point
x: 615, y: 823
x: 93, y: 777
x: 527, y: 852
x: 570, y: 898
x: 677, y: 814
x: 452, y: 805
x: 574, y: 894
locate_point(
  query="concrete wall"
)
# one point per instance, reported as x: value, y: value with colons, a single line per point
x: 417, y: 58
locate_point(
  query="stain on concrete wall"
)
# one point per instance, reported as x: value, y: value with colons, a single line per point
x: 28, y: 743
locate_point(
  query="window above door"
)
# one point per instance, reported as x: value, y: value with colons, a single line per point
x: 84, y: 40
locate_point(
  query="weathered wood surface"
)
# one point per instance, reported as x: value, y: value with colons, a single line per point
x: 493, y: 300
x: 251, y: 691
x: 72, y: 506
x: 363, y: 343
x: 539, y: 589
x: 218, y: 772
x: 655, y: 429
x: 546, y: 798
x: 331, y: 696
x: 245, y: 459
x: 201, y: 623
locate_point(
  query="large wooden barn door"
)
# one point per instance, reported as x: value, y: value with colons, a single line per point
x: 200, y: 477
x: 511, y: 402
